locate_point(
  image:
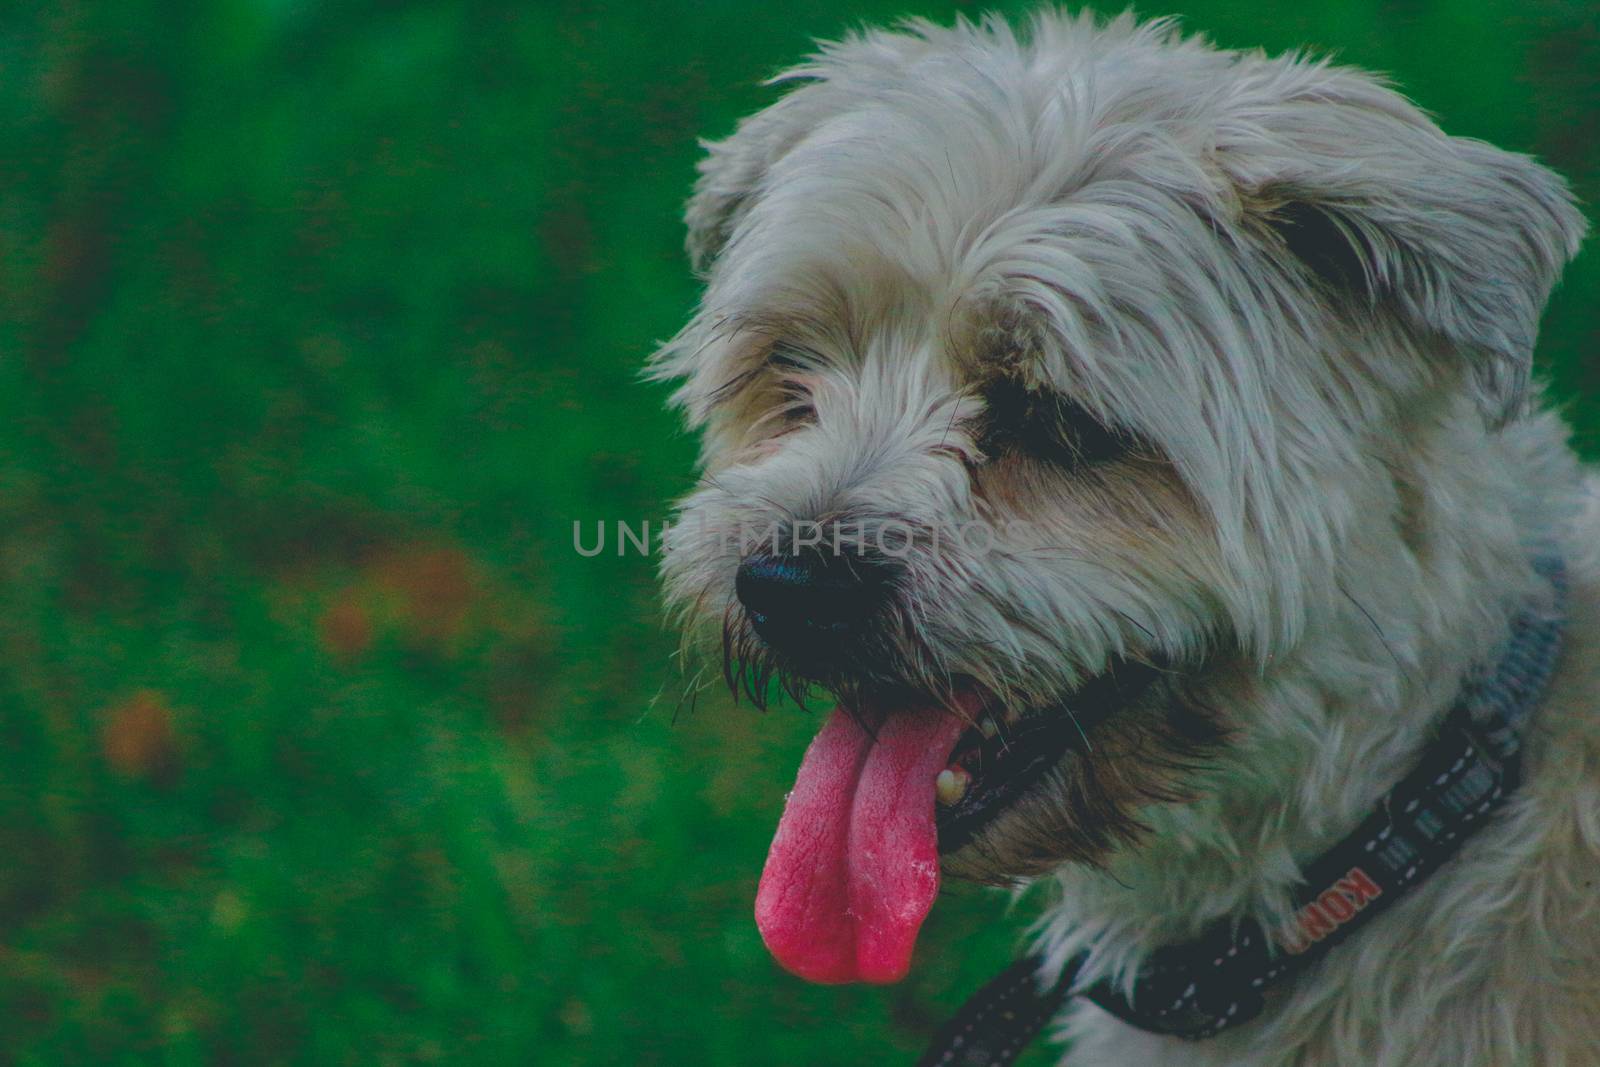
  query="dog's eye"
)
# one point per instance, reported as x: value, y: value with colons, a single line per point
x: 796, y: 407
x: 790, y: 365
x: 1047, y: 426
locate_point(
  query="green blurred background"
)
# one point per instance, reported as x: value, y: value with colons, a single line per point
x: 319, y: 324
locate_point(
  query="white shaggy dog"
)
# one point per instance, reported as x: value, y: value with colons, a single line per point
x: 1175, y: 403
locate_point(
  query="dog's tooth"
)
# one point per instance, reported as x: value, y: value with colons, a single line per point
x: 951, y: 785
x: 988, y: 726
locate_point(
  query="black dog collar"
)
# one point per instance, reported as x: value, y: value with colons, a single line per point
x: 1199, y: 989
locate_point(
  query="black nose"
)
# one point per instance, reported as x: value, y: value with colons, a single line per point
x: 809, y: 601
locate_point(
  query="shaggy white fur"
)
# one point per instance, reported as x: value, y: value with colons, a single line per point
x: 1315, y: 312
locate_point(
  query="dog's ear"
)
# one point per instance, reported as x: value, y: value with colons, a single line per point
x: 1463, y: 239
x: 733, y: 169
x: 839, y: 74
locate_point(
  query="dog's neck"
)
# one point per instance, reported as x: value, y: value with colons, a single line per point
x: 1325, y: 730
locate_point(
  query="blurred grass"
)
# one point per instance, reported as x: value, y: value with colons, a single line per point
x: 319, y: 325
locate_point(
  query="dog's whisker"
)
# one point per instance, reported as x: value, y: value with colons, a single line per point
x: 1088, y: 746
x: 1376, y: 629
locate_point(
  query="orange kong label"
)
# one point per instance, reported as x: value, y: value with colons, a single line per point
x: 1320, y: 918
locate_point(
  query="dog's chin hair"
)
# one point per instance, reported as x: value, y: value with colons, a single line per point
x: 753, y: 672
x: 1087, y: 806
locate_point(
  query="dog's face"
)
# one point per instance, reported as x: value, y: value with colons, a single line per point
x: 1038, y: 382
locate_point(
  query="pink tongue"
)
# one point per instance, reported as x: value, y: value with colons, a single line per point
x: 854, y: 866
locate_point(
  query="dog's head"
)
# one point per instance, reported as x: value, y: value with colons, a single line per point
x: 1037, y: 379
